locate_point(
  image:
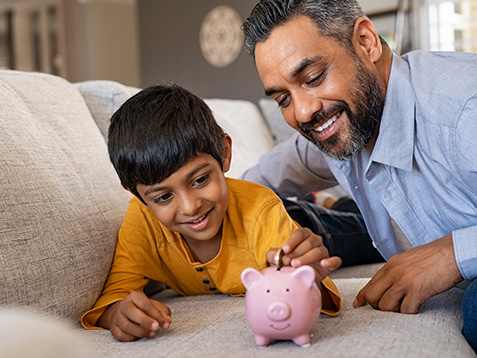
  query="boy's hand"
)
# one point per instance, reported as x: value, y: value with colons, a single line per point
x: 306, y: 248
x: 134, y: 317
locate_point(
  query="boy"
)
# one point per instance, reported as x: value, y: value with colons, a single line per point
x: 188, y: 226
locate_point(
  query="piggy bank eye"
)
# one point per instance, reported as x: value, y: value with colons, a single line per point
x: 268, y: 291
x: 288, y: 290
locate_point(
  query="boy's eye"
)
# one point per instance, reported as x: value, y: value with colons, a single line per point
x: 202, y: 179
x: 162, y: 198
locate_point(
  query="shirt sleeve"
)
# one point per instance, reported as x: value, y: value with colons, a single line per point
x: 330, y: 286
x: 293, y: 168
x: 134, y: 254
x: 465, y: 157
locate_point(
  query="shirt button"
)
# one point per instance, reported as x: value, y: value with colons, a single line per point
x: 199, y: 269
x: 212, y: 288
x: 205, y: 281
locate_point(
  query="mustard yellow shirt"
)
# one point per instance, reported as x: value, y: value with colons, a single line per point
x: 255, y: 221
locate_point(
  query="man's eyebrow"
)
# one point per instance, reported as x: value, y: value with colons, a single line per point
x: 299, y: 69
x: 304, y: 64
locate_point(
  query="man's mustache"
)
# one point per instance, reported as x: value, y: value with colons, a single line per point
x: 322, y: 116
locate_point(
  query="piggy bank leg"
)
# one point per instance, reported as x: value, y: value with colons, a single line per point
x: 303, y: 341
x: 262, y: 341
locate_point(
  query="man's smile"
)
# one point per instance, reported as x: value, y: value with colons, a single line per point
x: 328, y: 122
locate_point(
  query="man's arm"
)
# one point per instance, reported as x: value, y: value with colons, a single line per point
x: 408, y: 279
x: 293, y: 168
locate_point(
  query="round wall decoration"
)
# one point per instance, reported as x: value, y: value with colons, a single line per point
x: 221, y: 38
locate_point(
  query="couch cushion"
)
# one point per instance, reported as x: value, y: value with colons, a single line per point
x: 61, y: 203
x: 251, y: 137
x: 220, y: 328
x: 275, y: 121
x: 103, y: 98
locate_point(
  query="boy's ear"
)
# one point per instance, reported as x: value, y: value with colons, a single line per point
x: 366, y: 40
x: 227, y: 154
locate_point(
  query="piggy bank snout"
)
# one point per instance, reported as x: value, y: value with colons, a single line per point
x: 278, y: 311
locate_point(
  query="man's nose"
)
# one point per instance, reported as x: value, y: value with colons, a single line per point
x: 306, y: 105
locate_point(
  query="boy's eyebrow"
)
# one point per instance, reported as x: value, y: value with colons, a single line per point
x: 299, y: 69
x: 153, y: 189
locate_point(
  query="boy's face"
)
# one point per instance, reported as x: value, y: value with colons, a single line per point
x: 193, y: 200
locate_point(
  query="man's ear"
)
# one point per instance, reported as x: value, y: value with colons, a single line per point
x: 366, y: 40
x: 227, y: 153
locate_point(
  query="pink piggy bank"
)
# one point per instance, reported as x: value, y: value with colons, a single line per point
x: 281, y: 304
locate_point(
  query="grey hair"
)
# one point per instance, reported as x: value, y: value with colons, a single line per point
x: 334, y: 19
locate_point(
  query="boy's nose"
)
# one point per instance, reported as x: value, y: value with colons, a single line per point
x: 189, y: 204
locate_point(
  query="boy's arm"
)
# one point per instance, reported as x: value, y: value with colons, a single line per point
x: 135, y: 260
x: 306, y: 248
x: 274, y: 228
x: 118, y: 286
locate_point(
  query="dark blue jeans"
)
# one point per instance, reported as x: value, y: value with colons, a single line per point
x: 469, y: 314
x: 342, y: 229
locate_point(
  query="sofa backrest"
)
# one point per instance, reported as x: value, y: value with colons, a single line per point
x: 61, y: 204
x: 243, y: 120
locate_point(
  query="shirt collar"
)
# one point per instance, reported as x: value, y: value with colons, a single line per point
x: 395, y: 143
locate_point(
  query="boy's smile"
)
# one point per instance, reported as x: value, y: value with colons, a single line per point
x: 192, y: 201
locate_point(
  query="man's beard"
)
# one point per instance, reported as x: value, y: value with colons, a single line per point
x: 363, y: 123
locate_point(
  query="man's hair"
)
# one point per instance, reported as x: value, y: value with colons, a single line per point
x: 334, y: 19
x: 157, y: 131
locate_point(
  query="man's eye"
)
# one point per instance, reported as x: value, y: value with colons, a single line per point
x: 283, y: 101
x: 318, y: 79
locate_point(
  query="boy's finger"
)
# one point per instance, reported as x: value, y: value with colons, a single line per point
x: 147, y: 315
x: 122, y: 336
x: 164, y: 318
x: 125, y: 329
x: 270, y: 256
x: 332, y: 263
x: 295, y: 239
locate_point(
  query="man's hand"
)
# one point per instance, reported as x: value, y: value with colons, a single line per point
x: 408, y: 279
x: 134, y: 317
x: 306, y: 248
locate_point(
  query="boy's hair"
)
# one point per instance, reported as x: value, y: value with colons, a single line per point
x: 333, y: 18
x: 157, y: 131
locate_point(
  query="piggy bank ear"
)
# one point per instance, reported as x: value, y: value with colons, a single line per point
x: 249, y: 276
x: 305, y: 274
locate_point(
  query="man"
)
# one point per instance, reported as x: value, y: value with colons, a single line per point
x: 397, y: 133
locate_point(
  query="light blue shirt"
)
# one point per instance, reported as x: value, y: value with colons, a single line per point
x: 422, y: 172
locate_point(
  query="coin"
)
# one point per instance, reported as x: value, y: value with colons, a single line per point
x: 279, y: 258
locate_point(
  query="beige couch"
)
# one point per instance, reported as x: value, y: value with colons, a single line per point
x: 60, y: 209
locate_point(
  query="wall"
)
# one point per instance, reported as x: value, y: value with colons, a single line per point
x: 170, y: 50
x: 102, y: 40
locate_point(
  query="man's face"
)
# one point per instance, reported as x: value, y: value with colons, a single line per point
x: 323, y: 91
